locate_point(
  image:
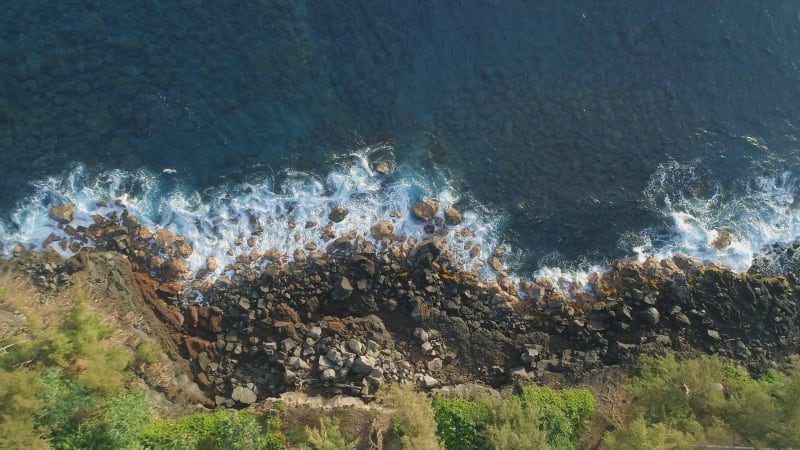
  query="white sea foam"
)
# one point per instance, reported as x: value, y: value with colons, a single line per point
x: 213, y: 220
x: 696, y: 212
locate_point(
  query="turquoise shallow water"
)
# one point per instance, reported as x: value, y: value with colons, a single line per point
x: 584, y: 130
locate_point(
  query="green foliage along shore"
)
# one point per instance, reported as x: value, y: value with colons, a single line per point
x: 538, y: 418
x: 686, y: 404
x: 67, y: 387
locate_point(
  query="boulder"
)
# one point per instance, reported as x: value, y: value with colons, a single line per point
x: 364, y: 365
x: 650, y: 316
x: 244, y: 394
x: 382, y: 229
x: 425, y: 210
x: 63, y: 213
x: 164, y: 238
x: 452, y: 216
x: 338, y: 213
x: 211, y: 264
x: 724, y: 239
x: 343, y: 289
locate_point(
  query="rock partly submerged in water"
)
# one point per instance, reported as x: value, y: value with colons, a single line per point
x: 425, y: 210
x: 63, y: 213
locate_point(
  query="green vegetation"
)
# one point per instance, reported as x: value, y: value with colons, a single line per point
x: 220, y: 430
x: 64, y: 387
x: 683, y: 404
x: 147, y: 353
x: 413, y: 420
x: 328, y: 436
x: 538, y: 418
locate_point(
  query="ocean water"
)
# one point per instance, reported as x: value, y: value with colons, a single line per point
x: 570, y: 133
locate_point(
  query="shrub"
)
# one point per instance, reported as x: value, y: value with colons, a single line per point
x: 563, y: 413
x: 220, y: 430
x: 20, y: 407
x: 707, y: 400
x: 460, y: 423
x: 513, y: 425
x: 147, y: 352
x: 328, y: 436
x: 413, y: 420
x: 641, y: 435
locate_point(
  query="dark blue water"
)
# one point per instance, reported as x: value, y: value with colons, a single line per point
x: 557, y: 115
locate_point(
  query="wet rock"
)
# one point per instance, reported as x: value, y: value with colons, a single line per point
x: 299, y: 255
x: 724, y: 239
x: 338, y: 213
x: 164, y: 238
x: 211, y: 264
x: 63, y: 213
x: 184, y: 249
x: 452, y: 216
x: 381, y: 167
x: 382, y: 229
x: 425, y: 210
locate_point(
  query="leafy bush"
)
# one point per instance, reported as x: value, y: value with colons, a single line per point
x: 413, y: 420
x: 20, y: 407
x: 147, y: 352
x: 75, y: 344
x: 513, y: 425
x: 641, y: 435
x: 563, y: 413
x: 707, y: 400
x: 328, y: 436
x: 460, y: 423
x: 220, y: 430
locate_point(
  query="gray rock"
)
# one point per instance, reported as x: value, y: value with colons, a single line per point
x: 650, y: 316
x: 427, y: 348
x: 244, y: 395
x: 429, y: 382
x: 421, y: 334
x: 364, y: 365
x: 434, y: 365
x: 355, y: 346
x: 338, y: 213
x: 314, y: 333
x: 343, y: 289
x: 714, y: 334
x: 328, y: 374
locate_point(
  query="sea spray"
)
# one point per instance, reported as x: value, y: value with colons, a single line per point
x: 228, y: 221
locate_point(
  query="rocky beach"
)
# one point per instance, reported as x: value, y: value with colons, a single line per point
x: 366, y: 310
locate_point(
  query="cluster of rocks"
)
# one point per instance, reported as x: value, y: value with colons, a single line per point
x: 361, y: 316
x: 360, y: 313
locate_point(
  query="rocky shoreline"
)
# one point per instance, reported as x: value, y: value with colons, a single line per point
x: 365, y: 311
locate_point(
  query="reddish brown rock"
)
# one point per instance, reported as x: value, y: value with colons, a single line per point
x: 195, y: 345
x: 169, y: 291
